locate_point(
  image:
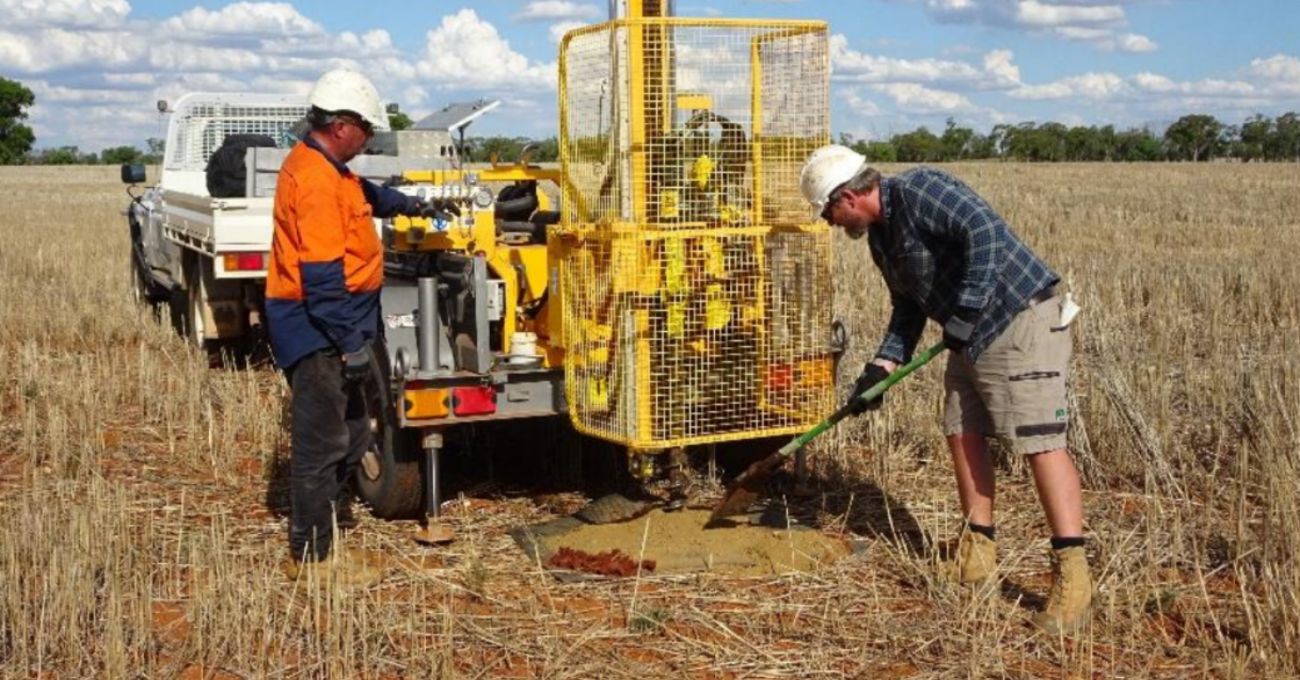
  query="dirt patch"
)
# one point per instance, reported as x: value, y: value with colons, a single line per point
x: 679, y: 543
x: 612, y: 563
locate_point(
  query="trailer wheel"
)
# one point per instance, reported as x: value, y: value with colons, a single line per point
x: 389, y: 478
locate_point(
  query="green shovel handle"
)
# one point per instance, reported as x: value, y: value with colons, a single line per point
x: 876, y: 390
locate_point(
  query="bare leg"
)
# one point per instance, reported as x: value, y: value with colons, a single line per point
x: 974, y: 470
x: 1059, y: 491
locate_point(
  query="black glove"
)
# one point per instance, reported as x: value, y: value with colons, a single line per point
x: 872, y: 374
x: 959, y: 328
x: 437, y: 208
x: 356, y: 366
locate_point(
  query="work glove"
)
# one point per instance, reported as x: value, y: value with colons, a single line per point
x: 437, y: 208
x: 959, y: 328
x: 872, y: 374
x: 356, y: 366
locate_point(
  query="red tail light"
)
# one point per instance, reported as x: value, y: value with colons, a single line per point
x: 778, y: 378
x: 244, y: 262
x: 473, y: 401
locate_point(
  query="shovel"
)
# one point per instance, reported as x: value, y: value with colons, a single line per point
x: 744, y: 490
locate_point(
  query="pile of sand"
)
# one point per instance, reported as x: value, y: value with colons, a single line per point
x: 679, y: 543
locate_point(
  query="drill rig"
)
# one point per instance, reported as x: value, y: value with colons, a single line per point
x: 678, y: 295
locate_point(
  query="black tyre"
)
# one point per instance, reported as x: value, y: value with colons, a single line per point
x: 178, y: 307
x: 389, y: 477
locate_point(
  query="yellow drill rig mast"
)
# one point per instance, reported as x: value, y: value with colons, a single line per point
x: 680, y: 295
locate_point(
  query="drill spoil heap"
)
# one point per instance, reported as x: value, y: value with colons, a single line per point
x: 696, y: 285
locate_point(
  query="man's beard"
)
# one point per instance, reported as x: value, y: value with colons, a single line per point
x: 855, y: 232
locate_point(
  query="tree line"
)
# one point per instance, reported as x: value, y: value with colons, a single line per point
x: 1194, y: 137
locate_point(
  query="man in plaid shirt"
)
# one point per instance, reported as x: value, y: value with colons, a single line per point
x: 946, y: 255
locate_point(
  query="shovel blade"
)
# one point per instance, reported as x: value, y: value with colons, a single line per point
x: 746, y: 488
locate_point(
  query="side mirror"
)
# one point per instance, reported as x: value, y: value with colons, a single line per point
x: 133, y: 173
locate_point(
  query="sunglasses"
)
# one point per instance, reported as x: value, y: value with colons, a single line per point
x: 831, y: 200
x: 364, y: 125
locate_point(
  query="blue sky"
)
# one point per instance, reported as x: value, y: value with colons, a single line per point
x: 98, y: 66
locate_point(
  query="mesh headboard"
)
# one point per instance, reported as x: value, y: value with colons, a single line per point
x: 201, y: 121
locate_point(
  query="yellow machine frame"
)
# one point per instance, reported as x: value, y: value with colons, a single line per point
x: 695, y: 285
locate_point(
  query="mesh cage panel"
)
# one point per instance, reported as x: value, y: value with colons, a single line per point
x: 697, y: 297
x: 202, y: 122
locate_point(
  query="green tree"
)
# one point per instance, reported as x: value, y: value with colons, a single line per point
x: 918, y: 146
x: 1194, y: 137
x: 1254, y: 136
x: 880, y: 152
x: 15, y: 138
x: 1285, y: 141
x: 1137, y: 144
x: 63, y: 155
x: 399, y: 121
x: 1083, y: 144
x: 156, y: 147
x: 982, y: 146
x: 1106, y: 141
x: 998, y: 138
x: 118, y: 155
x: 955, y: 142
x: 546, y: 150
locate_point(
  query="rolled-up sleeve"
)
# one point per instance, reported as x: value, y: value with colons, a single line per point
x: 906, y: 321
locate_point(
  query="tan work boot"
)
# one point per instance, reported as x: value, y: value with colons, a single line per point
x: 351, y: 567
x: 975, y: 559
x: 1070, y: 599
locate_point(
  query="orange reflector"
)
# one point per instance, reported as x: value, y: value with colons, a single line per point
x: 244, y: 262
x: 814, y: 373
x: 473, y: 401
x: 426, y: 403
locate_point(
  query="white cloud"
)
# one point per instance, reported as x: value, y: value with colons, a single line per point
x: 1132, y: 42
x: 1095, y: 86
x: 61, y: 94
x: 1279, y: 67
x: 175, y: 56
x: 63, y: 13
x: 53, y: 49
x: 858, y: 104
x: 557, y: 31
x: 557, y: 10
x: 848, y: 64
x: 917, y: 98
x: 999, y: 64
x: 465, y: 51
x: 245, y: 19
x: 1153, y: 83
x: 1098, y: 22
x: 1046, y: 14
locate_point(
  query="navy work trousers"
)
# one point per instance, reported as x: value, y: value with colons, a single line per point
x: 330, y: 434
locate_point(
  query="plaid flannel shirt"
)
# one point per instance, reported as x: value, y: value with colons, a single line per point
x: 941, y: 247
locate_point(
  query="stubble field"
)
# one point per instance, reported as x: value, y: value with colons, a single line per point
x: 142, y: 509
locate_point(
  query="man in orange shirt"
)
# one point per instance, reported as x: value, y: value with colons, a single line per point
x: 322, y: 307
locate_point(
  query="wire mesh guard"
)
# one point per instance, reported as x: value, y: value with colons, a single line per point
x: 202, y: 123
x: 697, y: 297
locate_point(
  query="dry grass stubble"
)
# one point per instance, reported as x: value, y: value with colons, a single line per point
x: 138, y: 536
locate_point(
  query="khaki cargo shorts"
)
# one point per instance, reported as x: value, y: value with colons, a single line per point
x: 1016, y: 390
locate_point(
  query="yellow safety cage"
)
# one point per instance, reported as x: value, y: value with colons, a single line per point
x: 695, y: 284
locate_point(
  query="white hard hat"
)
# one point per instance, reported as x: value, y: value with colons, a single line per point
x: 826, y: 169
x: 346, y: 90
